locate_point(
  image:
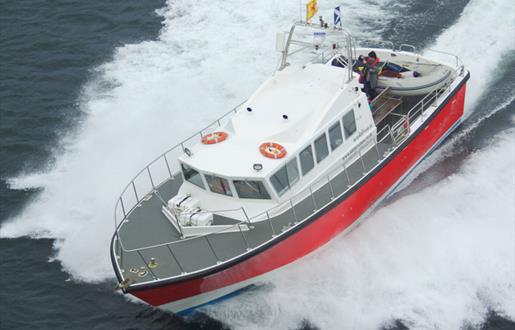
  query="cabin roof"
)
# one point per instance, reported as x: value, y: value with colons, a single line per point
x: 302, y: 93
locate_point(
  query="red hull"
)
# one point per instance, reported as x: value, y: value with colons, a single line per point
x: 321, y: 230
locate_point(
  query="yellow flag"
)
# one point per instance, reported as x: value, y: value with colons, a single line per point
x: 311, y: 9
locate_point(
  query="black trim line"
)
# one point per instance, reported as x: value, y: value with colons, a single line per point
x: 305, y: 223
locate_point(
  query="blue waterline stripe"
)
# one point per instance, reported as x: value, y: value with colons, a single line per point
x: 192, y: 310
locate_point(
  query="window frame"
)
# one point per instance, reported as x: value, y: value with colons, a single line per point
x: 297, y: 179
x: 347, y: 135
x: 260, y: 181
x: 198, y: 172
x: 313, y: 162
x: 285, y: 185
x: 337, y: 123
x: 323, y: 135
x: 289, y: 184
x: 226, y: 186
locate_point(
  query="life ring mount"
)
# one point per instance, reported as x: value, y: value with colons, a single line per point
x: 214, y: 137
x: 272, y: 150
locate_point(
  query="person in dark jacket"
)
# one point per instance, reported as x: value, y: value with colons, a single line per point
x: 359, y: 67
x: 370, y: 75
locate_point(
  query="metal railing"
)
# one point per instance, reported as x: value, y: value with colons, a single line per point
x: 459, y: 67
x: 372, y: 43
x: 407, y: 48
x: 292, y: 40
x: 160, y: 170
x: 419, y: 108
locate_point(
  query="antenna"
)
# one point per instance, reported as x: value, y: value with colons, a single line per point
x: 300, y: 10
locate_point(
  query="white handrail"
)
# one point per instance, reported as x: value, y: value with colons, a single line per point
x: 162, y: 156
x: 349, y: 44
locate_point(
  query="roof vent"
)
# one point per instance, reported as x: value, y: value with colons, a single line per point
x: 285, y: 117
x: 257, y: 167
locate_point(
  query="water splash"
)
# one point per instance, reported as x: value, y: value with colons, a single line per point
x: 483, y: 38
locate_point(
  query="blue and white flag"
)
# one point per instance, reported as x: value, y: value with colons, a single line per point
x: 337, y: 16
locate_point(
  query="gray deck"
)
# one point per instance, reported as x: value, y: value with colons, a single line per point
x: 147, y: 226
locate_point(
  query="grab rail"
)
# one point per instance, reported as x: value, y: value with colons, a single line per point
x: 376, y: 43
x: 408, y: 47
x: 347, y: 38
x: 458, y: 61
x: 372, y: 43
x: 166, y: 168
x: 425, y: 102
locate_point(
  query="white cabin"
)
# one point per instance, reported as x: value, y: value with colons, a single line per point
x: 311, y: 110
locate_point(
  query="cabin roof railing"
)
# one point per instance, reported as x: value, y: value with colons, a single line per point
x: 349, y: 48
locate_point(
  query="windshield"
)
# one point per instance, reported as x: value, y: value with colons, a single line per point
x: 218, y: 185
x: 192, y: 175
x: 251, y: 189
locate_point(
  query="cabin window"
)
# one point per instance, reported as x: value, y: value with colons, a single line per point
x: 293, y: 172
x: 218, y: 185
x: 251, y: 189
x: 349, y: 124
x: 280, y: 181
x: 286, y: 177
x: 321, y: 148
x: 306, y: 160
x: 335, y: 136
x: 192, y: 175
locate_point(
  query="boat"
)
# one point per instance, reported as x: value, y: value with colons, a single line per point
x: 407, y: 75
x: 298, y: 163
x: 404, y: 74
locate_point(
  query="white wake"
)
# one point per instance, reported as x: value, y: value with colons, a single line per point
x: 482, y: 37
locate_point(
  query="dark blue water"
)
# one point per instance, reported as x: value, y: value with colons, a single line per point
x: 47, y: 52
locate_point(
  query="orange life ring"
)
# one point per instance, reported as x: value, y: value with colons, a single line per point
x: 272, y: 150
x: 214, y: 137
